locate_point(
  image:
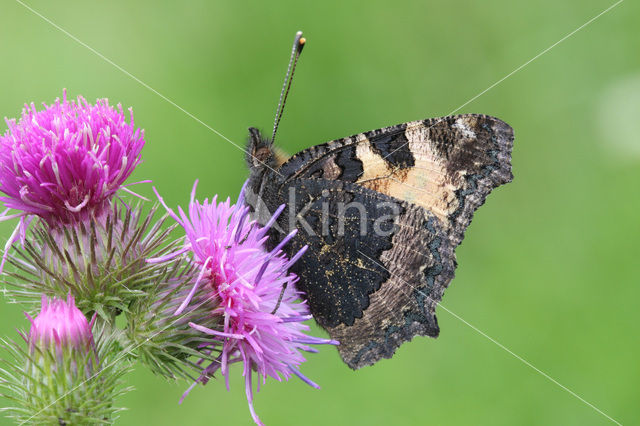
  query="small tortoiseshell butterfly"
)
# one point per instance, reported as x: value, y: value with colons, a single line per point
x: 381, y: 213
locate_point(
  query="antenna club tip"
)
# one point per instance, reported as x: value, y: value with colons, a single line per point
x: 299, y: 41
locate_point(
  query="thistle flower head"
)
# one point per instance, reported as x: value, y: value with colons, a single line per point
x: 259, y: 308
x: 61, y: 324
x: 66, y: 161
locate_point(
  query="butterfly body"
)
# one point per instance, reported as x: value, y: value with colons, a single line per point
x: 381, y: 213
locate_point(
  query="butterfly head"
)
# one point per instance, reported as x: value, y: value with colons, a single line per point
x: 259, y: 151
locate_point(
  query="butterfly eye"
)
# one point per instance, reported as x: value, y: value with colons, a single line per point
x: 259, y: 151
x: 262, y: 154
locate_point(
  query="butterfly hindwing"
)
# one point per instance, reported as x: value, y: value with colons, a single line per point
x: 375, y: 267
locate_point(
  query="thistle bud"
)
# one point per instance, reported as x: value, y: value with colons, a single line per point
x: 60, y: 326
x: 59, y: 377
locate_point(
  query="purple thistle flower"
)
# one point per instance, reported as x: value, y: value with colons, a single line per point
x: 65, y: 162
x: 258, y: 328
x: 62, y: 325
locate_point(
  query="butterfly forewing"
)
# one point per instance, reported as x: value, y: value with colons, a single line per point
x: 446, y: 165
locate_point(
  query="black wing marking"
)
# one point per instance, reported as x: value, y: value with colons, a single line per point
x: 371, y: 288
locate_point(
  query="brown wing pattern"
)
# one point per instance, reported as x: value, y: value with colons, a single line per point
x: 446, y: 165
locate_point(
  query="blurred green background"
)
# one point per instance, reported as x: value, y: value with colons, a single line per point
x: 549, y: 268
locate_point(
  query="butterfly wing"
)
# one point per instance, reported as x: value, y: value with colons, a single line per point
x: 421, y: 182
x: 446, y: 165
x: 375, y: 268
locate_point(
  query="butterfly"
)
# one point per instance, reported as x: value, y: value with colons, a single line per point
x: 382, y: 213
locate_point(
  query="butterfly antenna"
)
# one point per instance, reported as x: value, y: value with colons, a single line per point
x: 298, y: 44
